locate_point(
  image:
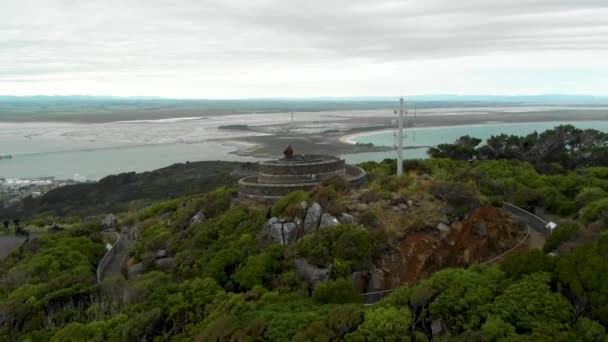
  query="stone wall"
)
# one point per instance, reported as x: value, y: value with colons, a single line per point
x: 248, y: 187
x: 301, y: 168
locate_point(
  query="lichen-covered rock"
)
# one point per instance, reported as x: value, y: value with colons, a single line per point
x: 136, y: 270
x: 299, y: 223
x: 276, y: 231
x: 313, y: 217
x: 328, y: 221
x: 198, y: 218
x: 290, y: 233
x: 165, y: 264
x: 269, y: 223
x: 347, y: 219
x: 443, y: 228
x: 376, y: 281
x: 109, y: 221
x: 161, y: 253
x: 304, y: 205
x: 313, y: 275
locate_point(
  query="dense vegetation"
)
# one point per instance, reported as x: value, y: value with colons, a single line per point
x: 230, y: 281
x: 562, y: 147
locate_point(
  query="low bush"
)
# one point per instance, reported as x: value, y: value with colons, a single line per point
x: 339, y: 291
x: 594, y: 210
x: 560, y: 235
x: 290, y: 200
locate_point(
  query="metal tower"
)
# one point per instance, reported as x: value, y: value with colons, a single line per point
x: 401, y: 120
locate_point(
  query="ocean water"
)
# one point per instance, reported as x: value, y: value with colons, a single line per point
x: 93, y: 151
x: 419, y: 139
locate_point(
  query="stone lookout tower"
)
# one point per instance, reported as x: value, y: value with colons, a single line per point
x: 276, y: 178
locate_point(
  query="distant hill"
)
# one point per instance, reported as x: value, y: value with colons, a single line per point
x: 119, y: 192
x: 106, y: 109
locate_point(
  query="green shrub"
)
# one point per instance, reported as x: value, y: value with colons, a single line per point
x: 593, y: 210
x: 458, y: 195
x: 560, y: 235
x: 339, y: 291
x: 159, y: 208
x: 589, y: 195
x: 350, y: 244
x: 369, y: 196
x: 339, y: 184
x: 519, y: 265
x: 291, y: 199
x: 383, y: 324
x: 324, y: 195
x: 369, y: 218
x: 393, y: 183
x: 346, y: 318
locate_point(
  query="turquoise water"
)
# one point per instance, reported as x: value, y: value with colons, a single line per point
x: 432, y: 136
x: 98, y: 164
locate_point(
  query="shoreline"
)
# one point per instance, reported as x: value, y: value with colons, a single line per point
x: 350, y: 138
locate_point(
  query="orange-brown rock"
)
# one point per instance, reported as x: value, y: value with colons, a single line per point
x: 487, y: 233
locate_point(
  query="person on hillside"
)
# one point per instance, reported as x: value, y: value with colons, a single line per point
x: 6, y: 223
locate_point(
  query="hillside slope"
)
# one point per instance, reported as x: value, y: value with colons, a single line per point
x: 118, y: 192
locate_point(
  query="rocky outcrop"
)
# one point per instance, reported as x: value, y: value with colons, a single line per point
x: 347, y: 219
x: 487, y: 232
x: 276, y: 231
x: 109, y: 221
x: 290, y: 233
x: 313, y: 217
x: 136, y: 270
x: 360, y: 280
x: 198, y: 218
x: 313, y: 275
x: 161, y: 253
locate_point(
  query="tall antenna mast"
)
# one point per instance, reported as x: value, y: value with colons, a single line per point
x: 400, y: 140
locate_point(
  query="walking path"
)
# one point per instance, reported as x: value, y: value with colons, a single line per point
x: 118, y: 257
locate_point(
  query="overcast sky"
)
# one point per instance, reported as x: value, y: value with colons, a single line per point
x: 281, y: 48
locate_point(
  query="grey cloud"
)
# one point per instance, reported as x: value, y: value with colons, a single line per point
x: 47, y: 37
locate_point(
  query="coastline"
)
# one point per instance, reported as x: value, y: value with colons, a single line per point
x: 350, y: 138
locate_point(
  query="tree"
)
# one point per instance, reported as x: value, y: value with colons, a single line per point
x: 338, y: 291
x: 383, y: 324
x: 529, y: 304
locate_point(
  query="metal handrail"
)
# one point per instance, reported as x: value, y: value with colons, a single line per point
x: 104, y: 261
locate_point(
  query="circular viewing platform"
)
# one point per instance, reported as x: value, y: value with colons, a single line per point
x: 277, y: 178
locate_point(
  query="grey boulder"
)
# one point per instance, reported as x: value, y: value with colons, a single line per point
x: 290, y: 233
x: 347, y: 219
x: 313, y: 216
x: 198, y: 218
x: 276, y: 231
x: 136, y: 270
x: 109, y: 221
x: 161, y: 253
x: 328, y: 221
x: 313, y: 275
